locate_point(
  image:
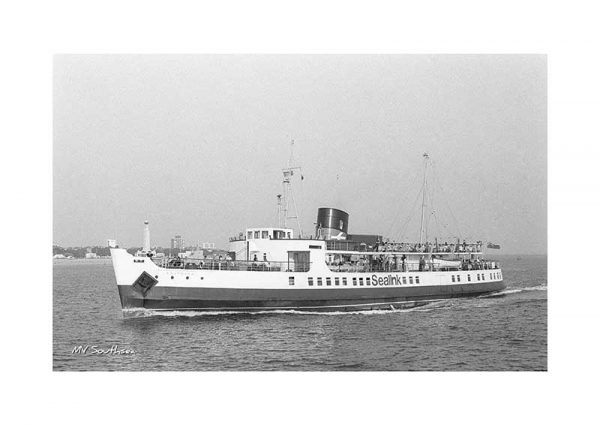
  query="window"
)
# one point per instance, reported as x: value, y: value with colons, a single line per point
x: 404, y: 280
x: 482, y: 276
x: 477, y: 276
x: 291, y: 279
x: 310, y: 281
x: 328, y: 280
x: 354, y: 281
x: 417, y: 279
x: 319, y: 282
x: 249, y: 235
x: 289, y: 235
x: 256, y: 234
x: 453, y: 279
x: 368, y: 281
x: 410, y: 279
x: 458, y: 278
x: 344, y: 282
x: 314, y: 246
x: 491, y: 276
x: 360, y: 281
x: 265, y: 234
x: 469, y: 277
x: 337, y: 281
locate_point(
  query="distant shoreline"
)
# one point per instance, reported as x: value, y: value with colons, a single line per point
x: 82, y: 260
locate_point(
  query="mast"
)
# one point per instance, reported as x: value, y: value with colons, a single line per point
x: 288, y: 192
x: 425, y: 159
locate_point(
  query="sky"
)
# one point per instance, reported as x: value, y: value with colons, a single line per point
x: 196, y: 145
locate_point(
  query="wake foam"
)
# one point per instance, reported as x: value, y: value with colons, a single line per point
x: 131, y: 313
x: 509, y: 291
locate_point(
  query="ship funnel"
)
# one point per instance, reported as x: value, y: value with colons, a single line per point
x: 332, y: 224
x: 146, y: 247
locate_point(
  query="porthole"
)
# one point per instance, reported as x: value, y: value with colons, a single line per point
x: 155, y: 276
x: 187, y: 277
x: 172, y: 277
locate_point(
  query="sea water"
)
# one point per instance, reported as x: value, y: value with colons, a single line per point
x: 504, y: 331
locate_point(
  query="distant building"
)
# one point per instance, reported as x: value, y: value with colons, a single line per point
x: 111, y: 243
x: 177, y: 242
x: 91, y: 255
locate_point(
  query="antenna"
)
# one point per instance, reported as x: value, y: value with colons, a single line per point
x: 288, y: 193
x: 279, y: 210
x: 425, y: 160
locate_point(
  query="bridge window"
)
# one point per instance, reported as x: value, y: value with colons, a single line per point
x: 328, y: 280
x: 368, y: 281
x: 249, y: 235
x: 319, y: 281
x: 360, y: 281
x: 265, y: 234
x: 337, y: 281
x: 344, y: 282
x: 256, y: 234
x: 310, y: 281
x: 291, y: 279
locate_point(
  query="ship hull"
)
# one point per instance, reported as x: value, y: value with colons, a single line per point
x: 325, y: 299
x: 143, y: 284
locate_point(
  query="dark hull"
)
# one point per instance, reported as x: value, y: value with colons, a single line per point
x: 334, y: 299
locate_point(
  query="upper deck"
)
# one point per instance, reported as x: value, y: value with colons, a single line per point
x: 393, y: 248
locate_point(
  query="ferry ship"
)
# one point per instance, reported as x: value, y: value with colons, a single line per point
x: 273, y: 268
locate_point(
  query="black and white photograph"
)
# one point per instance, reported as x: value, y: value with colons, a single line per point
x: 307, y: 213
x: 300, y: 212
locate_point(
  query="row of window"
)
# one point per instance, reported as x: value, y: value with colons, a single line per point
x: 360, y: 281
x: 480, y: 276
x: 383, y: 281
x: 264, y: 234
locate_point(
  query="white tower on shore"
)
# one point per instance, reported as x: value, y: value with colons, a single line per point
x: 146, y: 247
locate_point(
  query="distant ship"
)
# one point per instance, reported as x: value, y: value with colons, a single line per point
x: 272, y: 268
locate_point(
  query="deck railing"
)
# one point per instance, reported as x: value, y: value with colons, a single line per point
x: 237, y: 265
x: 410, y: 267
x: 335, y: 245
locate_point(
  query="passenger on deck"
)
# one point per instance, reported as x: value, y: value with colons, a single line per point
x: 422, y: 263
